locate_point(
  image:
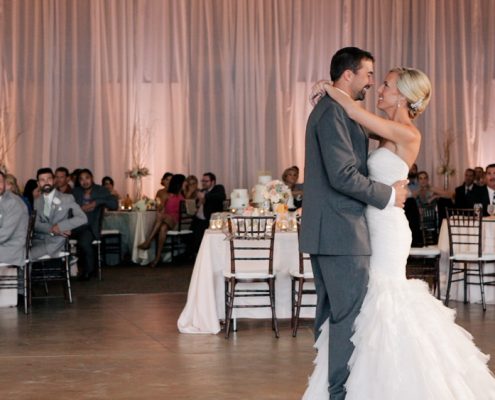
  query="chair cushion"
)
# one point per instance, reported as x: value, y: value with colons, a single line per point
x: 61, y: 254
x: 6, y: 265
x: 306, y: 275
x: 430, y: 251
x: 105, y: 232
x: 473, y: 257
x: 248, y: 275
x: 181, y: 232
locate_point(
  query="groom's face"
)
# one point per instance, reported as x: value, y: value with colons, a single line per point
x: 362, y: 80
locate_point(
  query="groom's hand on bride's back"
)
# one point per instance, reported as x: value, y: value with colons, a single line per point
x: 401, y: 192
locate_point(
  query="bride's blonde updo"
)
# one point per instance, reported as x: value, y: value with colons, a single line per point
x: 415, y: 86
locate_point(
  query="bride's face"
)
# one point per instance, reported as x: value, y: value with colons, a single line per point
x: 389, y: 96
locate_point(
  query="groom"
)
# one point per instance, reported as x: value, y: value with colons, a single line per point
x: 336, y: 193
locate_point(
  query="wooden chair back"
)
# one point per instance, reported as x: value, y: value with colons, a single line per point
x: 251, y: 240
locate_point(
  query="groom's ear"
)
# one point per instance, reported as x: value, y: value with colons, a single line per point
x: 347, y: 75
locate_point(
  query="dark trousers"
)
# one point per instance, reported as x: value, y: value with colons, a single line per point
x: 198, y: 226
x: 341, y: 284
x: 85, y: 249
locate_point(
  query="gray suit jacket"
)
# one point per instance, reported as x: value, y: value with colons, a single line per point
x: 336, y: 187
x: 13, y: 229
x: 65, y: 212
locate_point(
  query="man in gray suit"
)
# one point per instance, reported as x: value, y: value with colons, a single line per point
x: 13, y: 226
x: 57, y: 214
x: 336, y: 191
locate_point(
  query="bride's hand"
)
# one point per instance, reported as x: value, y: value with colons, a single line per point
x: 318, y: 91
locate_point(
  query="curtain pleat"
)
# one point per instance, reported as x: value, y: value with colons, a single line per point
x: 190, y: 86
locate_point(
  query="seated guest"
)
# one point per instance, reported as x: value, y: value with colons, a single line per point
x: 31, y: 192
x: 57, y: 214
x: 93, y: 199
x: 210, y: 200
x: 74, y: 178
x: 62, y: 180
x: 162, y: 193
x: 191, y: 188
x: 427, y: 195
x: 412, y: 177
x: 13, y: 226
x: 485, y: 194
x: 167, y: 218
x: 462, y: 193
x: 191, y: 194
x: 12, y: 186
x: 107, y: 182
x: 479, y: 176
x: 290, y: 178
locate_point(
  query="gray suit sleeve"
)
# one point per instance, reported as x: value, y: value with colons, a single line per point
x: 11, y: 218
x: 78, y: 216
x: 340, y: 161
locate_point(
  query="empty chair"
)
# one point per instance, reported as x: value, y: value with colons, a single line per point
x: 177, y: 238
x: 299, y: 277
x: 251, y: 242
x: 466, y: 257
x: 424, y: 262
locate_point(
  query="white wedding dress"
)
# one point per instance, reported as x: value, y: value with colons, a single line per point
x: 407, y: 346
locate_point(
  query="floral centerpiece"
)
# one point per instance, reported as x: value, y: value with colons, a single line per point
x: 278, y: 194
x: 137, y: 172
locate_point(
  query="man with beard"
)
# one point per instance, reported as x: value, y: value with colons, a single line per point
x: 93, y: 199
x: 57, y: 214
x: 337, y: 189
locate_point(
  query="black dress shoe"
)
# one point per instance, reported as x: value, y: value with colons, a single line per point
x: 83, y: 278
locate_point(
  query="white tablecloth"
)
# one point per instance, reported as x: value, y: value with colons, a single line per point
x: 134, y: 226
x: 206, y: 301
x: 457, y: 291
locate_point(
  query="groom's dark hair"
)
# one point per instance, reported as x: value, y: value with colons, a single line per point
x: 347, y: 58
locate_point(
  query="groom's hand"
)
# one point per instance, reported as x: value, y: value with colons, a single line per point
x: 401, y: 192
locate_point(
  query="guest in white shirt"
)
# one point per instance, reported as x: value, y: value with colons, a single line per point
x: 486, y: 194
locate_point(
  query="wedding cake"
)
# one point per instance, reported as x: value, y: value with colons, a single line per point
x: 260, y: 189
x: 239, y: 199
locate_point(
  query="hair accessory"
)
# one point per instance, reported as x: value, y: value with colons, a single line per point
x: 416, y: 104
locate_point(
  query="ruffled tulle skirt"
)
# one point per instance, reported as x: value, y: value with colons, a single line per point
x: 407, y: 347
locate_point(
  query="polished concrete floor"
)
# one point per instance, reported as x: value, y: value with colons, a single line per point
x: 127, y: 347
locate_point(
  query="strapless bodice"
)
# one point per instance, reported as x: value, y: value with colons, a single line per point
x: 387, y: 167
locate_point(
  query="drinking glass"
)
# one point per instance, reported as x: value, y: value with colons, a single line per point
x: 491, y: 209
x: 478, y: 207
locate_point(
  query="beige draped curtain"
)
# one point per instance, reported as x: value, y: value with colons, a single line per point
x: 221, y: 85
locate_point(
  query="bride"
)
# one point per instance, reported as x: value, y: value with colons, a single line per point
x: 407, y: 345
